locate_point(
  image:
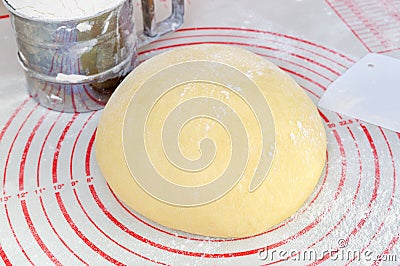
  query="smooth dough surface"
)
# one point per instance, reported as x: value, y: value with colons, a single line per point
x: 297, y: 155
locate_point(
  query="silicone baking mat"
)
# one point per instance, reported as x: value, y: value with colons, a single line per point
x: 56, y: 208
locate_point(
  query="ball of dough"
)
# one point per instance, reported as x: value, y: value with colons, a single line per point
x: 211, y: 140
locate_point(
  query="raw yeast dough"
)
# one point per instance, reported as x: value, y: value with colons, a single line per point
x: 211, y: 140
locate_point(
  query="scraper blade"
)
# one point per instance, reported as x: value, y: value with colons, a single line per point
x: 369, y: 91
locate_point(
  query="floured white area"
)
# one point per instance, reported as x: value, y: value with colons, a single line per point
x: 60, y: 9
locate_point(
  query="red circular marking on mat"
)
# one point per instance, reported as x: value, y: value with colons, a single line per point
x: 353, y: 201
x: 15, y: 235
x: 231, y: 239
x: 76, y: 142
x: 292, y: 72
x: 297, y: 65
x: 42, y: 149
x: 82, y: 235
x: 25, y: 211
x: 58, y: 235
x: 240, y: 44
x: 87, y: 172
x: 58, y: 147
x: 189, y: 253
x: 323, y: 88
x: 389, y: 248
x: 343, y: 217
x: 110, y: 238
x: 79, y: 202
x: 36, y: 236
x: 273, y: 34
x: 26, y: 149
x: 362, y: 222
x: 344, y: 166
x: 6, y: 165
x: 390, y: 202
x: 40, y: 197
x: 248, y: 37
x: 4, y: 257
x: 61, y: 205
x: 12, y: 146
x: 87, y: 159
x: 21, y: 186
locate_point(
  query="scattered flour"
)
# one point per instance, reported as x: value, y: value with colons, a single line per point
x: 70, y: 78
x: 61, y: 9
x: 84, y: 26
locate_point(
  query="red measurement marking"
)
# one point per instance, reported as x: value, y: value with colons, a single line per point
x: 354, y: 196
x: 58, y: 236
x: 4, y: 16
x: 108, y: 237
x: 341, y: 123
x: 363, y: 220
x: 88, y: 152
x: 82, y: 235
x: 4, y: 257
x: 89, y: 180
x: 269, y: 33
x: 40, y: 191
x: 245, y: 44
x: 340, y: 143
x: 36, y: 235
x: 385, y: 255
x: 76, y: 142
x: 58, y: 147
x: 15, y: 235
x: 346, y: 122
x: 331, y: 125
x: 390, y: 202
x: 323, y: 116
x: 42, y: 149
x: 256, y: 38
x: 377, y: 165
x: 22, y: 195
x: 12, y: 145
x: 371, y: 22
x: 5, y: 199
x: 58, y: 187
x: 322, y: 87
x: 233, y: 239
x: 344, y: 165
x: 74, y: 183
x: 26, y: 149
